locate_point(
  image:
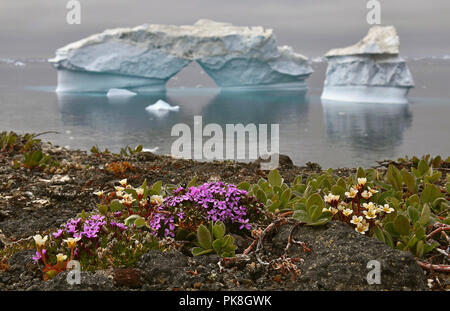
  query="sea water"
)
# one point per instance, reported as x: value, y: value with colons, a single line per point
x: 333, y: 134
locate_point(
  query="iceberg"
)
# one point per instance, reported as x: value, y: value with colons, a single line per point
x: 161, y: 108
x: 369, y: 71
x: 145, y: 57
x: 161, y: 105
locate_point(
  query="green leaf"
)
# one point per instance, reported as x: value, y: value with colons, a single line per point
x: 315, y: 212
x: 156, y: 188
x: 204, y: 237
x: 273, y: 206
x: 436, y: 176
x: 261, y: 196
x: 140, y: 222
x: 103, y: 209
x: 314, y: 199
x: 338, y: 190
x: 409, y: 181
x: 218, y: 230
x: 420, y: 232
x: 419, y: 249
x: 131, y: 219
x: 360, y: 173
x: 193, y: 182
x: 394, y: 177
x: 413, y: 214
x: 319, y: 222
x: 423, y: 167
x: 302, y: 216
x: 389, y: 227
x: 115, y: 206
x: 401, y: 225
x: 244, y: 186
x: 430, y: 193
x: 425, y: 215
x: 228, y: 254
x: 341, y: 183
x: 275, y: 178
x: 218, y: 245
x: 285, y: 197
x: 388, y: 239
x: 379, y: 234
x: 412, y: 200
x: 198, y: 251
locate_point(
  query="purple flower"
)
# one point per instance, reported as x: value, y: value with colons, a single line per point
x: 37, y: 257
x: 213, y: 201
x: 58, y: 234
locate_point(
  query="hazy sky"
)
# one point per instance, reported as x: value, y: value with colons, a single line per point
x: 35, y: 28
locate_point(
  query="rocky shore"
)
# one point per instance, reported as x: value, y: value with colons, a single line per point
x: 35, y: 201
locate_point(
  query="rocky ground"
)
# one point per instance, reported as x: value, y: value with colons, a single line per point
x: 37, y: 200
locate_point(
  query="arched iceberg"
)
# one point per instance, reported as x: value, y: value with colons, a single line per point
x: 145, y: 57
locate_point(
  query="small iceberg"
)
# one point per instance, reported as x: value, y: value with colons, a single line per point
x: 161, y: 108
x: 152, y: 150
x: 161, y: 105
x: 119, y: 93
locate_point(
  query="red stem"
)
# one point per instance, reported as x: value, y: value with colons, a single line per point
x: 428, y: 266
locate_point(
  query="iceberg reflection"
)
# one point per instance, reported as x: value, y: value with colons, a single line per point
x: 366, y: 127
x: 230, y: 107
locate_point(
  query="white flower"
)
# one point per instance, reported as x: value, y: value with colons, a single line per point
x: 369, y: 206
x: 347, y: 212
x: 370, y: 214
x: 156, y: 199
x: 123, y: 182
x: 99, y: 194
x: 366, y: 194
x: 72, y: 242
x: 373, y: 191
x: 334, y: 210
x: 60, y: 258
x: 341, y: 207
x: 331, y: 198
x: 127, y: 199
x: 362, y: 228
x: 352, y: 193
x: 119, y: 189
x: 386, y: 209
x: 140, y: 192
x: 326, y: 209
x: 356, y: 220
x: 362, y: 181
x: 40, y: 241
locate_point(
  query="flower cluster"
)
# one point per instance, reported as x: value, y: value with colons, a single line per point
x: 95, y: 240
x: 356, y: 208
x: 214, y: 201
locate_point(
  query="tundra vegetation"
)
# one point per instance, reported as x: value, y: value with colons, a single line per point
x: 405, y: 206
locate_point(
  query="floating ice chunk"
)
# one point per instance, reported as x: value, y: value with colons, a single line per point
x: 161, y: 105
x: 150, y: 149
x: 120, y: 92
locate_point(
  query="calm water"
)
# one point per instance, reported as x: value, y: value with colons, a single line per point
x: 332, y: 134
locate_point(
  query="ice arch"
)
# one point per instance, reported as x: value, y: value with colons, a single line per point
x: 145, y: 57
